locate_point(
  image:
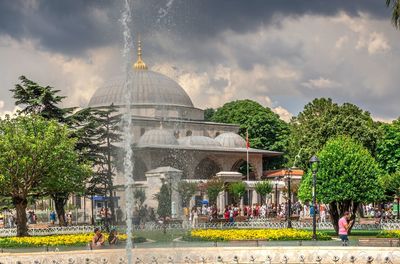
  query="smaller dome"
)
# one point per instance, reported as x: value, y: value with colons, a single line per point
x: 231, y: 140
x: 198, y: 141
x: 157, y: 137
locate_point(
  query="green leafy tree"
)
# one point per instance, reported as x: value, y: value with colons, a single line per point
x: 43, y: 101
x: 237, y: 189
x: 321, y: 120
x: 186, y: 190
x: 263, y: 188
x: 266, y: 130
x: 213, y: 188
x: 35, y: 154
x: 391, y: 185
x: 388, y: 150
x: 347, y: 176
x: 395, y: 6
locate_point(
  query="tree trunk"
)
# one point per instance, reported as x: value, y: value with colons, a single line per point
x: 336, y: 210
x: 20, y: 206
x: 112, y: 207
x: 60, y: 200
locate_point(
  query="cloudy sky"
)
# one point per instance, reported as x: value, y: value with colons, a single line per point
x: 281, y: 53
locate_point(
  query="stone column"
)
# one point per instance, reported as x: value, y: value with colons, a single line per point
x: 254, y: 197
x: 221, y: 202
x: 173, y: 179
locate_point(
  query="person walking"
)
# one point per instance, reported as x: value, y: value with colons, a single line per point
x: 344, y: 226
x: 322, y: 213
x: 52, y: 217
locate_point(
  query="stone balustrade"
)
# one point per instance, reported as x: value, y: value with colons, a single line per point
x: 265, y: 255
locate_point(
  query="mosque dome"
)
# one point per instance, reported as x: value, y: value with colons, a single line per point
x: 231, y: 140
x: 147, y: 88
x: 198, y: 141
x: 157, y: 137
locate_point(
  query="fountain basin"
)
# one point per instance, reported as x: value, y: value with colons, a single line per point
x: 215, y: 255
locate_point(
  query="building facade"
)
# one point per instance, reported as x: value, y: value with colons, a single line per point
x: 170, y: 135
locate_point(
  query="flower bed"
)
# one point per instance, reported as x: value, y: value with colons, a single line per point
x: 254, y: 234
x: 390, y: 234
x: 57, y: 240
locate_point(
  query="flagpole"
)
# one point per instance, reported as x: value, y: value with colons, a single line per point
x: 247, y: 159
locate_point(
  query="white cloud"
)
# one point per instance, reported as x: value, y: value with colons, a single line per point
x: 321, y: 83
x: 283, y: 113
x: 377, y: 43
x: 77, y: 78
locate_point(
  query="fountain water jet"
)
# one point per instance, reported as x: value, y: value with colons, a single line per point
x: 126, y: 122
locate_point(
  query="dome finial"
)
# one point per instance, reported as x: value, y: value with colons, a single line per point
x: 139, y: 64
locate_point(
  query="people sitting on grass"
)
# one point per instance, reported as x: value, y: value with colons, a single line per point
x: 98, y: 239
x: 113, y: 237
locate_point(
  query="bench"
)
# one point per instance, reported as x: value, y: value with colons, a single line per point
x: 379, y: 242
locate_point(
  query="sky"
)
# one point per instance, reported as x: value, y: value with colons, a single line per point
x: 280, y: 53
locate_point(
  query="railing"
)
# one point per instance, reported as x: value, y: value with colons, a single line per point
x: 7, y: 232
x: 52, y: 230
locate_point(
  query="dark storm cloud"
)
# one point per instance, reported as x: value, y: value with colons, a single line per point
x: 64, y: 26
x: 72, y: 27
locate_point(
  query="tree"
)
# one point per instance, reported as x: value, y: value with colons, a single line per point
x: 107, y: 135
x: 321, y: 120
x: 35, y: 154
x: 391, y: 185
x: 186, y: 191
x: 347, y: 176
x: 388, y: 150
x: 140, y: 196
x: 164, y: 201
x: 208, y: 114
x: 266, y: 130
x: 395, y: 6
x: 39, y: 100
x: 213, y: 188
x: 263, y: 188
x: 237, y: 189
x: 43, y: 101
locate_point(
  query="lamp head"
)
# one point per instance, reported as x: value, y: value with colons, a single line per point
x: 314, y: 159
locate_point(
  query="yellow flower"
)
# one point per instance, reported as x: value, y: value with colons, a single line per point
x: 255, y: 234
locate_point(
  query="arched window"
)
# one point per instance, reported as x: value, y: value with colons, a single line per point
x: 217, y: 134
x: 206, y: 169
x: 142, y: 130
x: 188, y: 133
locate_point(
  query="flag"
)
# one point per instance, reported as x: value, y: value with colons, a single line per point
x: 247, y: 139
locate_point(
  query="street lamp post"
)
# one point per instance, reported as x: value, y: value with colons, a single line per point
x: 398, y: 207
x: 314, y: 160
x: 276, y: 195
x: 289, y: 209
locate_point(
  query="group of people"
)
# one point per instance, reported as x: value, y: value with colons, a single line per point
x: 99, y: 240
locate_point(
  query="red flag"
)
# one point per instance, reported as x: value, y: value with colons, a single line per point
x: 247, y: 139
